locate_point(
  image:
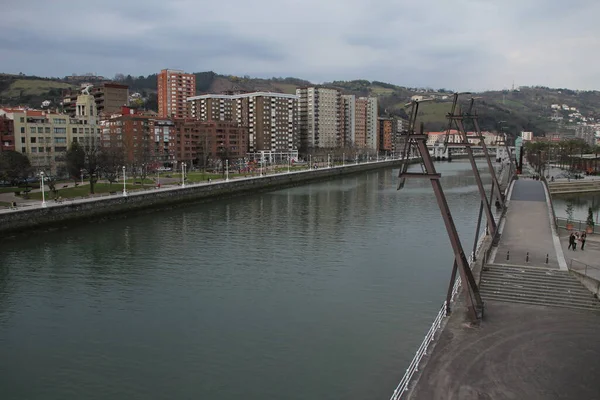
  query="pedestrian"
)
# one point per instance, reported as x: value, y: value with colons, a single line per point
x: 575, y: 241
x: 571, y: 241
x: 582, y: 238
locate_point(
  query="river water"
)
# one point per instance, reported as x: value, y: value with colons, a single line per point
x: 322, y: 291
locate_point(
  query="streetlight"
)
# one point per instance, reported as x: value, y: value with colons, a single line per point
x: 309, y: 162
x: 182, y: 174
x: 157, y: 178
x: 226, y: 170
x: 43, y: 194
x: 289, y: 162
x: 343, y: 159
x: 81, y: 171
x: 356, y: 158
x: 124, y: 183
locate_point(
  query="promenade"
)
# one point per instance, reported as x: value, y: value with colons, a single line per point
x: 538, y: 338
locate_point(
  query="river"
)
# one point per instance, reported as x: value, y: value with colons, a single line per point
x: 322, y: 291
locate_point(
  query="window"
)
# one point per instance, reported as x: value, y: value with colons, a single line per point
x: 40, y: 130
x: 23, y: 139
x: 60, y: 149
x: 60, y: 130
x: 41, y: 149
x: 47, y: 129
x: 32, y: 129
x: 22, y: 129
x: 33, y: 140
x: 22, y: 119
x: 34, y: 149
x: 74, y: 130
x: 60, y: 140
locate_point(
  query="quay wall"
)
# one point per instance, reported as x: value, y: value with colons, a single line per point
x: 107, y: 207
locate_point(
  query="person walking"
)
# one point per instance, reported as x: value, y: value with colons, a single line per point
x: 571, y: 241
x: 575, y: 241
x: 582, y: 239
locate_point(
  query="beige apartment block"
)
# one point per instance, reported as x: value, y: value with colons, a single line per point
x: 45, y: 136
x: 321, y: 117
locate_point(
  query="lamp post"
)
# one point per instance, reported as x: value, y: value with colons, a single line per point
x: 343, y: 159
x: 182, y: 174
x: 289, y: 162
x: 356, y: 158
x: 124, y: 183
x: 43, y: 194
x: 81, y: 172
x: 309, y: 162
x: 226, y: 170
x: 157, y: 178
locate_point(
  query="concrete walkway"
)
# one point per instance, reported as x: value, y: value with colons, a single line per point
x: 527, y: 228
x: 587, y: 261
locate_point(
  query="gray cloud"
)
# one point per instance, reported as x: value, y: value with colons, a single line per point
x: 463, y: 44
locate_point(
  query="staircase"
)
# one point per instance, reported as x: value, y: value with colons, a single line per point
x: 537, y: 286
x: 575, y: 186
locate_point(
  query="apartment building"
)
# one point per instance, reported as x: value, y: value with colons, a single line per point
x: 139, y: 138
x: 109, y: 98
x: 7, y: 134
x: 386, y: 128
x: 321, y: 117
x: 366, y: 131
x: 349, y: 119
x: 45, y: 136
x: 206, y: 142
x: 174, y: 87
x: 271, y: 119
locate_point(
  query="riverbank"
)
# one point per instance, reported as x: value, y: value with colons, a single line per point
x: 55, y: 214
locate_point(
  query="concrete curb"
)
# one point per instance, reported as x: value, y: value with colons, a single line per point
x: 502, y: 221
x: 560, y: 256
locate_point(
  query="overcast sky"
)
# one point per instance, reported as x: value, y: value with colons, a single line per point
x: 453, y: 44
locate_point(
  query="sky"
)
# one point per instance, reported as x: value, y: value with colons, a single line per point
x: 459, y: 44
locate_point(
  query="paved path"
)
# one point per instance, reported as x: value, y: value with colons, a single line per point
x: 578, y: 260
x: 527, y: 228
x: 520, y: 352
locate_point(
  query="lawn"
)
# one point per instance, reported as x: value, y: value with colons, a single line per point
x: 4, y: 204
x: 10, y: 189
x: 32, y: 87
x: 80, y: 191
x: 381, y: 91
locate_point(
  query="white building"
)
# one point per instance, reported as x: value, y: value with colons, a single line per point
x: 527, y: 136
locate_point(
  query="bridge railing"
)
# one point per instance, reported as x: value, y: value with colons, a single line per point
x: 584, y: 268
x: 575, y: 225
x: 413, y: 367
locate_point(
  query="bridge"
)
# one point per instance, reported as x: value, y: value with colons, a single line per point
x: 442, y: 153
x: 517, y: 324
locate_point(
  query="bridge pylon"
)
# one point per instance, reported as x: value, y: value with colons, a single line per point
x: 417, y: 144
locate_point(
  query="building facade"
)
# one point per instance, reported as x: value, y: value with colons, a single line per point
x: 321, y: 117
x: 109, y: 98
x: 7, y: 134
x: 271, y: 119
x: 174, y: 87
x: 387, y: 127
x: 205, y: 143
x: 45, y: 136
x: 349, y: 120
x: 366, y: 123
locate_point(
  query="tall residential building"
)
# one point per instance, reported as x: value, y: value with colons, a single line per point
x: 349, y: 118
x: 270, y: 118
x: 386, y: 134
x: 320, y: 113
x: 109, y: 98
x: 45, y: 136
x: 366, y: 123
x: 174, y: 87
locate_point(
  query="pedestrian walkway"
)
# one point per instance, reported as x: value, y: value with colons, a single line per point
x: 587, y: 261
x: 526, y: 234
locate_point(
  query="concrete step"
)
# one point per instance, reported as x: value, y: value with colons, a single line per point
x: 492, y: 297
x: 555, y: 290
x: 527, y: 270
x: 548, y: 296
x: 531, y: 279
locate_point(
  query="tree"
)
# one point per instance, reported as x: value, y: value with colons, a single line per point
x: 14, y: 166
x: 75, y: 158
x: 110, y: 161
x: 590, y: 217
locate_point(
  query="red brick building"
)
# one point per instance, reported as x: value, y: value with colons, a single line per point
x: 174, y: 87
x: 385, y: 134
x: 7, y: 134
x: 203, y: 142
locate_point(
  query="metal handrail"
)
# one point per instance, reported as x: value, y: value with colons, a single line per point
x: 413, y: 367
x: 585, y: 266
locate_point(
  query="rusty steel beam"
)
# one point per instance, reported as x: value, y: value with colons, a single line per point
x: 420, y: 175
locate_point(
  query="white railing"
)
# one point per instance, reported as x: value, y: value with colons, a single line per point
x: 413, y: 367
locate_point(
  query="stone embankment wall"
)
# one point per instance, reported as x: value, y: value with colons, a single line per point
x: 96, y: 208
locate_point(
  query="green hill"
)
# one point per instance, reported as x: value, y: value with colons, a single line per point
x: 525, y: 109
